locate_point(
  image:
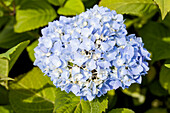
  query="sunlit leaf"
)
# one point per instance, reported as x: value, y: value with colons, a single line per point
x: 6, y: 109
x: 164, y: 6
x: 33, y: 14
x: 30, y: 50
x: 121, y: 110
x: 135, y: 7
x: 32, y: 93
x: 71, y: 7
x: 70, y: 103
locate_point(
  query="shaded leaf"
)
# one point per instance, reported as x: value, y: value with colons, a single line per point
x: 164, y: 6
x: 70, y: 103
x: 32, y: 93
x: 33, y: 14
x: 157, y: 89
x: 166, y: 21
x: 136, y: 92
x: 152, y: 35
x: 8, y: 38
x: 135, y: 7
x: 157, y: 110
x: 112, y: 98
x: 3, y: 96
x: 71, y: 7
x: 151, y: 74
x: 57, y: 2
x: 121, y: 110
x: 165, y: 77
x: 90, y: 3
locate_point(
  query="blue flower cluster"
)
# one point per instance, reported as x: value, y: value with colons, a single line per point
x: 90, y: 54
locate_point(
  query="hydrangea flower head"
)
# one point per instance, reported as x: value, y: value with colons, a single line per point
x: 90, y: 54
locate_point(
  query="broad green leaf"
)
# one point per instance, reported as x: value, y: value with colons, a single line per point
x: 121, y: 110
x: 30, y: 50
x: 6, y: 109
x: 13, y: 54
x: 33, y: 14
x: 167, y: 65
x: 69, y: 103
x: 71, y: 7
x: 57, y: 2
x: 164, y: 77
x: 8, y: 38
x: 157, y: 110
x: 157, y: 89
x: 134, y: 7
x: 32, y: 93
x: 136, y: 92
x: 152, y: 35
x: 3, y: 96
x: 164, y: 6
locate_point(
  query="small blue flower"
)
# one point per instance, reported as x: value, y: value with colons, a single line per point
x: 90, y: 54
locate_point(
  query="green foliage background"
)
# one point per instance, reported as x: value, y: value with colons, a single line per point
x: 24, y: 89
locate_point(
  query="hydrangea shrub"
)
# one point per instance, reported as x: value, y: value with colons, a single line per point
x: 91, y: 53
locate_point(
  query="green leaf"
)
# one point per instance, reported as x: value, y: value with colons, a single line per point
x: 3, y: 21
x: 4, y: 70
x: 112, y: 98
x: 6, y: 109
x: 134, y: 7
x: 152, y: 35
x: 69, y: 103
x: 57, y: 2
x: 151, y: 74
x: 71, y: 7
x: 164, y: 7
x: 4, y: 67
x: 33, y: 14
x: 136, y: 92
x: 13, y: 54
x: 157, y: 89
x: 165, y: 77
x: 30, y: 50
x: 167, y: 65
x: 121, y: 110
x: 8, y: 38
x: 89, y: 3
x: 3, y: 96
x: 32, y: 93
x: 157, y: 110
x: 8, y: 59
